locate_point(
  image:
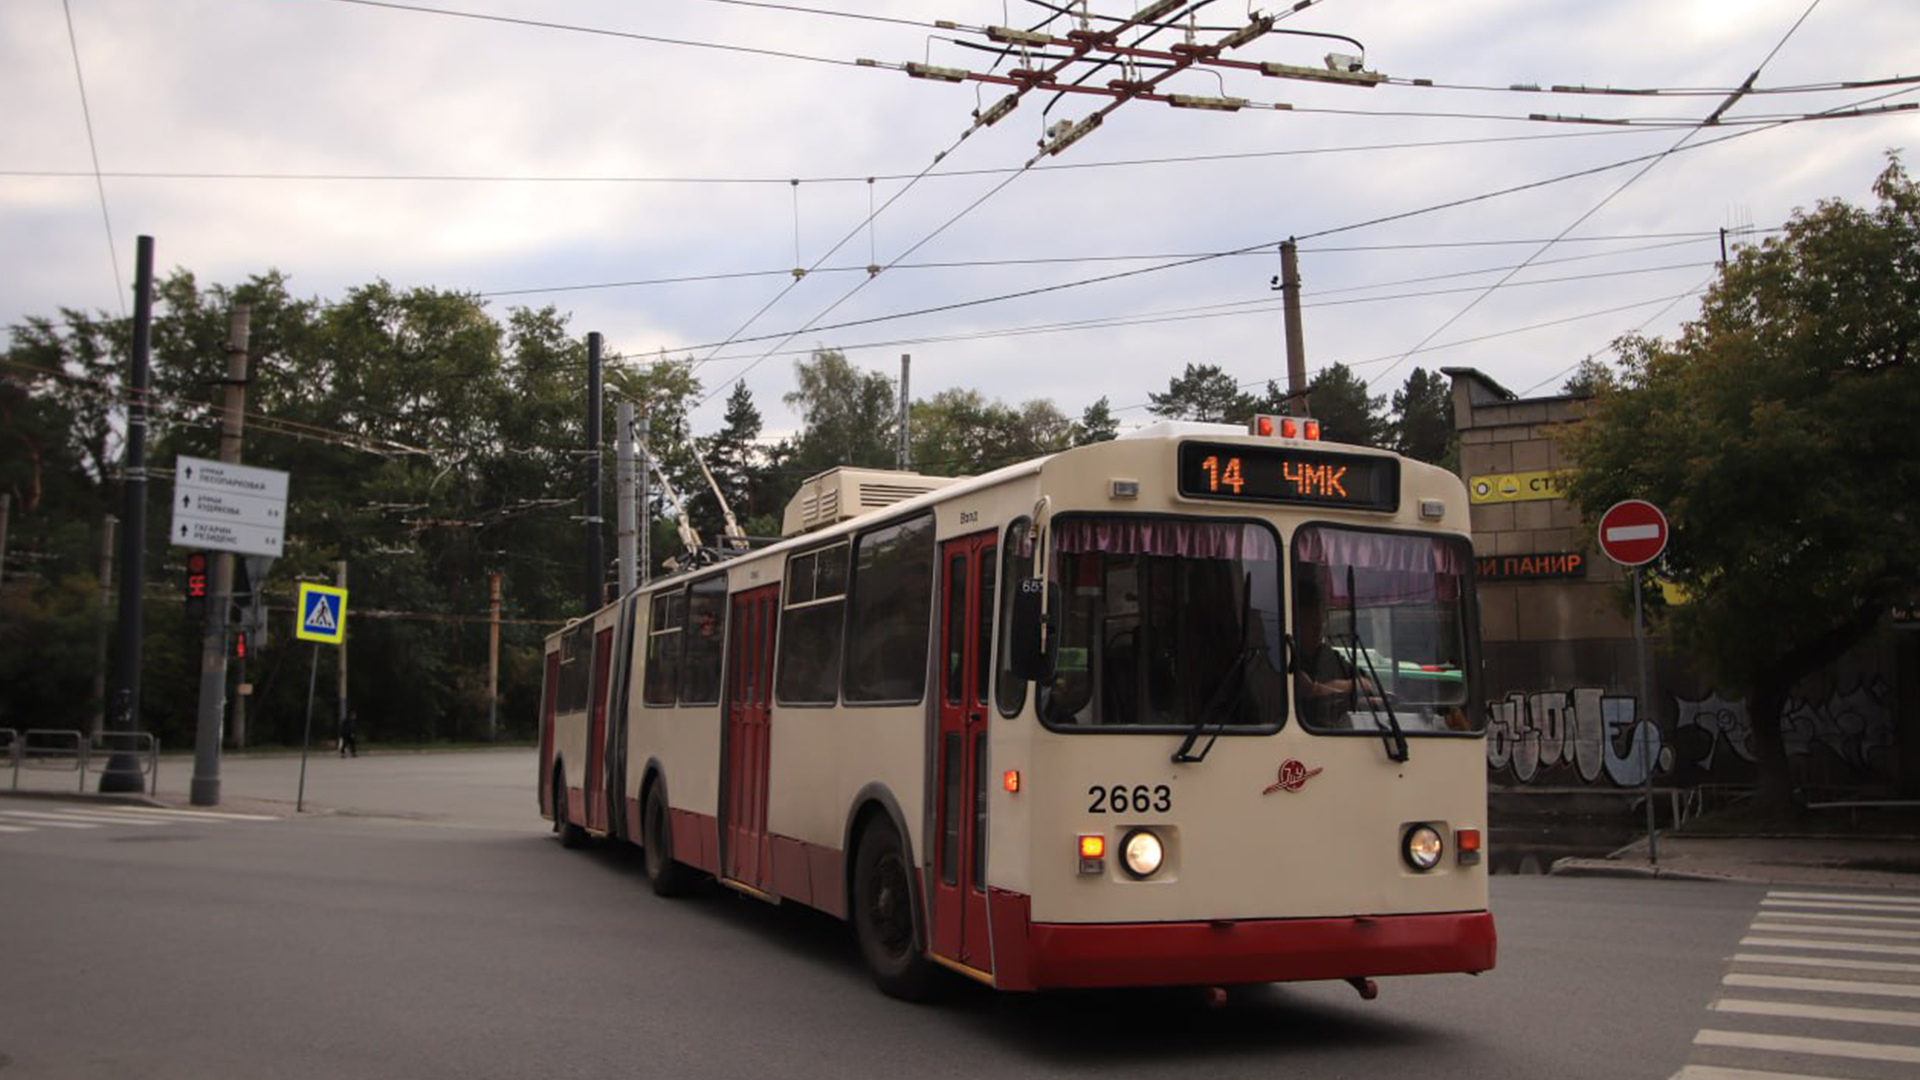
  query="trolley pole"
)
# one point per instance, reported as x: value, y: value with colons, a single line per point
x: 340, y: 582
x: 123, y: 712
x: 205, y: 789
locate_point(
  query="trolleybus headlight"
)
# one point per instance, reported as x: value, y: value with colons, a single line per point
x: 1422, y: 847
x: 1141, y: 853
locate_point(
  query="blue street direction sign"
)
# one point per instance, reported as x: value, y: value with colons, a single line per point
x: 323, y: 614
x: 219, y: 506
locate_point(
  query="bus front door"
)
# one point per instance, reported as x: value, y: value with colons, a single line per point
x: 749, y: 730
x: 960, y: 846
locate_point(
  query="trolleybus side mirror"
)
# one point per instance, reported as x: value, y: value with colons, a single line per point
x: 1033, y: 633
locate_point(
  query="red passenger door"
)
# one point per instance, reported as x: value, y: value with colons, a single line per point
x: 960, y: 766
x: 749, y: 731
x: 596, y: 779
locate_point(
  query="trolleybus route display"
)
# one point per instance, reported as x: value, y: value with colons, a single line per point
x: 1287, y: 474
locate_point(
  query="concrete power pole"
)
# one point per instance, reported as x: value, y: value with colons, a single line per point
x: 1296, y: 346
x: 906, y: 413
x: 493, y: 659
x: 205, y: 789
x: 646, y: 512
x: 624, y: 541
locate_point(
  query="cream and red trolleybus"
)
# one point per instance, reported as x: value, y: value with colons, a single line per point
x: 1196, y: 706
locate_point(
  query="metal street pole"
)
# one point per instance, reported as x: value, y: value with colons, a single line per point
x: 905, y: 455
x: 340, y: 582
x: 122, y: 773
x: 625, y: 547
x: 205, y: 789
x: 645, y: 523
x: 493, y: 659
x: 596, y: 559
x: 1646, y: 702
x: 306, y: 734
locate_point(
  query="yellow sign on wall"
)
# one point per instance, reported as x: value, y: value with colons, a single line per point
x: 1513, y: 487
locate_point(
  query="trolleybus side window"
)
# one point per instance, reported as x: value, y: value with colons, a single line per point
x: 892, y: 603
x: 810, y: 627
x: 1380, y: 631
x: 705, y: 632
x: 1011, y: 691
x: 669, y: 614
x: 1168, y: 623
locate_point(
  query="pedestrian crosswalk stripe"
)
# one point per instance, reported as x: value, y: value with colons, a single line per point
x: 1795, y: 1044
x: 1847, y: 931
x: 1836, y: 946
x: 87, y: 815
x: 43, y: 819
x: 16, y: 828
x: 184, y: 815
x: 1798, y: 1011
x: 1716, y: 1072
x: 1877, y: 905
x: 1828, y: 916
x: 1822, y: 986
x: 1857, y: 898
x: 1824, y: 961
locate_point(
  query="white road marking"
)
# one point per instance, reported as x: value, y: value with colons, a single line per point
x: 98, y: 819
x: 1848, y: 931
x: 1716, y: 1072
x: 1857, y: 898
x: 1837, y: 946
x: 1824, y: 962
x: 1793, y: 1044
x: 1797, y: 1011
x: 1828, y: 916
x: 185, y: 815
x: 44, y: 819
x: 16, y: 828
x: 1822, y: 986
x: 1882, y: 905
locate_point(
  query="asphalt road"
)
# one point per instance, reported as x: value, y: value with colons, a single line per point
x: 422, y: 924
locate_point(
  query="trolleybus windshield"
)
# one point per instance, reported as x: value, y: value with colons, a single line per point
x: 1158, y: 612
x: 1380, y: 631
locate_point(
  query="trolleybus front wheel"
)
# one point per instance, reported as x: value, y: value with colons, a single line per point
x: 883, y: 916
x: 668, y: 878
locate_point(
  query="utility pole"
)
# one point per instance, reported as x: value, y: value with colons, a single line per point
x: 1296, y: 344
x: 906, y: 414
x: 493, y: 659
x: 340, y: 582
x: 646, y: 512
x: 205, y: 789
x: 6, y: 508
x: 596, y: 558
x: 122, y: 773
x: 624, y: 544
x: 99, y: 720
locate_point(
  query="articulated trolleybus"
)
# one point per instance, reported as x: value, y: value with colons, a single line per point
x: 1191, y: 707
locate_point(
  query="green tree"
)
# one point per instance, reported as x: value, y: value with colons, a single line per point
x: 960, y: 433
x: 1096, y: 424
x: 1422, y: 424
x: 849, y: 415
x: 1203, y: 392
x: 1776, y: 434
x: 733, y: 454
x: 1339, y: 400
x: 1590, y: 378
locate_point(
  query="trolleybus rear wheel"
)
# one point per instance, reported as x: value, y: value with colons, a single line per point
x: 883, y: 916
x: 571, y: 835
x: 668, y: 877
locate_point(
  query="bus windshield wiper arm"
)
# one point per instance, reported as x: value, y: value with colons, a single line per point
x: 1395, y: 739
x: 1225, y: 699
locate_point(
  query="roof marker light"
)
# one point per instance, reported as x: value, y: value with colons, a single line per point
x: 1290, y: 428
x: 1313, y: 429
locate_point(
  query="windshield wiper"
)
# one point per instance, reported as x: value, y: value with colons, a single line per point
x: 1394, y: 738
x: 1226, y: 696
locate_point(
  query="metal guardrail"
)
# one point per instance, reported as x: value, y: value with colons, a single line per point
x: 54, y: 750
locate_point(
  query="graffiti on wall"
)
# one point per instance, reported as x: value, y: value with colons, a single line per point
x: 1596, y: 733
x: 1856, y: 725
x: 1585, y: 734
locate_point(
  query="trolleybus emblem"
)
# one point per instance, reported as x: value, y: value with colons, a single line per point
x: 1293, y: 776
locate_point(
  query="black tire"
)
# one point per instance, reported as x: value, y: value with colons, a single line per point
x: 571, y: 835
x: 667, y: 876
x: 883, y: 916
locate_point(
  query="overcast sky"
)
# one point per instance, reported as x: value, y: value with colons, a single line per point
x: 342, y: 142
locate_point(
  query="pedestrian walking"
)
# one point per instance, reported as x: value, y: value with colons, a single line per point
x: 349, y: 746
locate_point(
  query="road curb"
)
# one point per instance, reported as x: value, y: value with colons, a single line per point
x: 1600, y: 868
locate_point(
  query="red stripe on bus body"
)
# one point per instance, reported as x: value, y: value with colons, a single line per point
x: 1255, y: 950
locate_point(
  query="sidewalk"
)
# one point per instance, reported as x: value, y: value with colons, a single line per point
x: 1877, y: 862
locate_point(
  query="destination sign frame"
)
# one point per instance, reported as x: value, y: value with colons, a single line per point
x: 221, y: 506
x: 1288, y: 474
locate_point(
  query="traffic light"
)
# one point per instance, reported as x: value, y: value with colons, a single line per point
x: 196, y: 584
x: 240, y: 645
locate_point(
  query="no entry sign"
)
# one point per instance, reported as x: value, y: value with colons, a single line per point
x: 1633, y: 532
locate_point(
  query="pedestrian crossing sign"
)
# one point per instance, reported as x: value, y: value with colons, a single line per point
x: 323, y: 614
